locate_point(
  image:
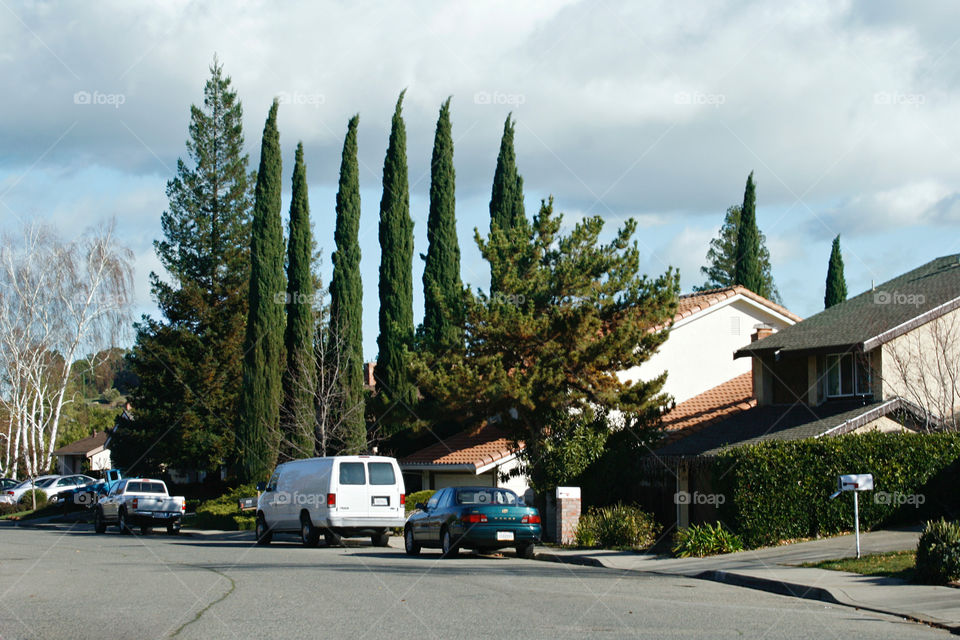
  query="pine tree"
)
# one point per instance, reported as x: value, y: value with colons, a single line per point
x: 189, y: 363
x: 722, y: 259
x: 442, y: 287
x: 258, y: 427
x: 300, y: 379
x: 747, y: 271
x: 506, y: 200
x: 836, y: 290
x: 396, y: 277
x: 346, y: 298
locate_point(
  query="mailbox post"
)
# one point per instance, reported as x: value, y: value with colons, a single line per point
x: 856, y: 482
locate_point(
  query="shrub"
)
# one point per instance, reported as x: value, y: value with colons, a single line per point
x: 27, y: 501
x: 705, y: 540
x: 938, y: 552
x: 616, y: 527
x: 224, y: 512
x: 418, y: 496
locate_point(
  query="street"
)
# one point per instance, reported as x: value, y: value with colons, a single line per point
x: 72, y: 583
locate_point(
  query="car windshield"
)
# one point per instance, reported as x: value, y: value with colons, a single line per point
x: 486, y: 496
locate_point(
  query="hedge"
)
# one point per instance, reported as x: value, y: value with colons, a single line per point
x: 780, y: 490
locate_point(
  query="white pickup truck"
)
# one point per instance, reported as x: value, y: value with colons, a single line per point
x: 139, y: 502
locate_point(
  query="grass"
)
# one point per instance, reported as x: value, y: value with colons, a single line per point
x: 894, y: 564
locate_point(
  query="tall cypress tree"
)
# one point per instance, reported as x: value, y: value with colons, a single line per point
x: 261, y: 393
x: 442, y: 287
x: 346, y: 297
x: 396, y: 275
x: 722, y: 259
x: 747, y: 271
x: 836, y: 291
x: 300, y: 379
x: 506, y: 200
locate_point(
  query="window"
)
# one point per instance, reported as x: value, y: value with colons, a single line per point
x: 486, y: 496
x: 352, y: 473
x: 435, y: 499
x: 847, y: 374
x: 272, y: 485
x: 65, y: 482
x: 382, y: 473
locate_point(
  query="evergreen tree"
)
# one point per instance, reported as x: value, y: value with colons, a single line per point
x: 836, y: 291
x: 506, y: 200
x: 261, y: 393
x: 189, y: 363
x: 396, y: 278
x: 442, y: 287
x: 346, y: 298
x: 721, y: 259
x: 747, y: 270
x: 300, y: 379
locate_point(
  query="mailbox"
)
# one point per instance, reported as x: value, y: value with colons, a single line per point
x: 856, y: 482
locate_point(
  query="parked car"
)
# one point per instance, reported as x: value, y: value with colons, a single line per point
x: 57, y: 490
x: 14, y: 494
x: 341, y: 496
x: 8, y: 483
x: 142, y: 502
x: 481, y: 518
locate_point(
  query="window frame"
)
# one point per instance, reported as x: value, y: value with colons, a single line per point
x: 839, y: 383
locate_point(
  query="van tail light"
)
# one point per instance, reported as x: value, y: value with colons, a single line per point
x: 403, y: 500
x: 183, y: 506
x: 135, y: 503
x: 331, y: 500
x: 531, y: 519
x: 473, y: 518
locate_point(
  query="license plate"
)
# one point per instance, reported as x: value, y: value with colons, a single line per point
x: 504, y: 535
x: 381, y: 501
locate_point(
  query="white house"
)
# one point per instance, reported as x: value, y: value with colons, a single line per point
x: 93, y: 450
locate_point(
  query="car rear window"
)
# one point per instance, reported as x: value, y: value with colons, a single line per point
x: 46, y: 483
x: 486, y: 496
x: 382, y: 473
x: 145, y: 487
x: 352, y: 473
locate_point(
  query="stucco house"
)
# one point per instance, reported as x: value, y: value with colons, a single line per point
x: 87, y: 454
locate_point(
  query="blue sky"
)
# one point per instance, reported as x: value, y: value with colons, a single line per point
x: 845, y: 111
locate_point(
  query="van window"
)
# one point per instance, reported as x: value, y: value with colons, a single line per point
x: 382, y: 473
x: 352, y: 473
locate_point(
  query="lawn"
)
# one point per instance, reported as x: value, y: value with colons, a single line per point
x: 895, y: 564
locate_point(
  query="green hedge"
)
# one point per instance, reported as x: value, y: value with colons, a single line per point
x: 705, y: 540
x: 617, y: 527
x: 938, y: 552
x: 418, y: 496
x: 778, y: 491
x: 224, y: 512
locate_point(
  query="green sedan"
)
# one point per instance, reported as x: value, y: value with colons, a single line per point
x: 480, y: 518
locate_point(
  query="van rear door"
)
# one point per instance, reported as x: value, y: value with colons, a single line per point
x: 384, y: 492
x: 353, y: 497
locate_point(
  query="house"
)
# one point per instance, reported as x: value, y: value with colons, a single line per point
x: 88, y: 454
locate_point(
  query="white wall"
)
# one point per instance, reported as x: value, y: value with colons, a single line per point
x: 698, y: 355
x: 101, y: 461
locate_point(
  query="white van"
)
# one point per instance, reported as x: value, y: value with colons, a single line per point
x: 341, y: 496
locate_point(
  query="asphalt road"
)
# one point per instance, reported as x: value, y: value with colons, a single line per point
x: 76, y: 584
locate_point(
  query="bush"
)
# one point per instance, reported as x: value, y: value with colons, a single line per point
x: 938, y: 552
x: 617, y: 527
x: 781, y: 490
x: 705, y: 540
x: 418, y: 496
x: 224, y: 513
x: 27, y: 501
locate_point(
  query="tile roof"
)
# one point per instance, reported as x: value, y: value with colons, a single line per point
x: 691, y: 303
x: 478, y: 447
x: 722, y: 401
x: 85, y: 446
x: 875, y: 316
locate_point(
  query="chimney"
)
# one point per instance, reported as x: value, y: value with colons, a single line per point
x: 762, y: 331
x: 756, y: 366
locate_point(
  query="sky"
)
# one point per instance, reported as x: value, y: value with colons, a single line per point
x: 846, y: 113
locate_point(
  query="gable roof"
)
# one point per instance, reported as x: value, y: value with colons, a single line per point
x: 700, y: 411
x: 468, y: 450
x: 85, y: 446
x: 691, y: 303
x: 875, y: 316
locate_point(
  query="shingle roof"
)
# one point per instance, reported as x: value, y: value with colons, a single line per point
x: 722, y: 401
x: 875, y: 316
x: 478, y: 447
x: 690, y: 303
x: 84, y: 446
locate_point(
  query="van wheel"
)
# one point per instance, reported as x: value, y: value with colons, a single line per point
x: 99, y: 524
x: 409, y: 544
x: 381, y: 539
x: 526, y: 551
x: 447, y: 545
x: 262, y: 532
x: 309, y: 535
x: 332, y: 539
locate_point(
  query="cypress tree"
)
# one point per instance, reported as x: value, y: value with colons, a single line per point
x: 747, y: 271
x: 442, y: 287
x: 300, y: 378
x: 506, y: 200
x: 396, y: 274
x: 722, y: 259
x: 836, y: 291
x: 261, y: 393
x: 346, y: 297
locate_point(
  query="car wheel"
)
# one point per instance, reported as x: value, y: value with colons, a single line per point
x: 122, y: 523
x: 447, y: 545
x: 332, y: 539
x: 381, y: 539
x: 262, y: 532
x: 99, y: 524
x: 526, y: 551
x: 53, y: 500
x: 309, y: 535
x: 409, y: 544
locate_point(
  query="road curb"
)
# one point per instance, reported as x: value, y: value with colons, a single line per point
x: 585, y: 561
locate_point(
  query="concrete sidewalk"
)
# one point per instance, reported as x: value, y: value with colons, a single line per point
x: 776, y: 569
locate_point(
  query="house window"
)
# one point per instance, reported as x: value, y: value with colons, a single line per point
x: 847, y: 375
x: 734, y: 325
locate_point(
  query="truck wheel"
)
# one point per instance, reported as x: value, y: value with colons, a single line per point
x: 525, y: 551
x: 263, y: 533
x: 332, y: 539
x: 99, y: 524
x: 173, y: 529
x: 381, y: 539
x: 309, y: 535
x: 409, y: 544
x: 122, y: 523
x: 447, y: 545
x: 145, y: 530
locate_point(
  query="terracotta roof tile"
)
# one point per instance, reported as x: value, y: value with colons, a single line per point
x: 722, y: 401
x: 691, y: 303
x: 479, y: 447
